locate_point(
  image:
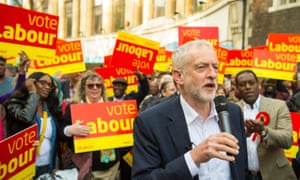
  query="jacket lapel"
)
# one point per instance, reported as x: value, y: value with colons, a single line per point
x: 263, y: 104
x: 178, y: 128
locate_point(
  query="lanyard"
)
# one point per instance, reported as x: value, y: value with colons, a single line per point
x: 42, y: 134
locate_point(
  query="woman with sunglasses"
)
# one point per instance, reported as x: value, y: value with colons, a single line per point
x: 90, y: 90
x: 36, y: 102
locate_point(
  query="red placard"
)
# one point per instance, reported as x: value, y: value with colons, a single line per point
x: 285, y: 43
x: 291, y: 152
x: 110, y: 74
x: 239, y: 60
x: 222, y: 55
x: 268, y: 64
x: 17, y: 160
x: 186, y: 34
x: 107, y: 61
x: 68, y: 59
x: 27, y: 30
x: 134, y: 52
x: 163, y: 60
x: 111, y: 123
x: 22, y: 26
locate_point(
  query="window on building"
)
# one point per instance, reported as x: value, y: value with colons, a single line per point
x: 200, y: 5
x: 159, y: 8
x: 69, y: 18
x: 283, y: 4
x: 98, y: 17
x: 119, y: 13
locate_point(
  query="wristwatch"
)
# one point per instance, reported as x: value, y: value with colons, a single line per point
x: 264, y: 133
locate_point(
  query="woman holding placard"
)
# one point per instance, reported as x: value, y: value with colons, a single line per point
x: 34, y: 102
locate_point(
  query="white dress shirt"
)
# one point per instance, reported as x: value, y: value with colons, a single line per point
x: 249, y: 113
x: 199, y: 129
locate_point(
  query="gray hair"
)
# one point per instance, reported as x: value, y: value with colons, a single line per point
x: 180, y: 55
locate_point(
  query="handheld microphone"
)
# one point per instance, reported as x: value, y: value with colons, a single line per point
x: 224, y: 120
x: 222, y: 109
x: 224, y: 123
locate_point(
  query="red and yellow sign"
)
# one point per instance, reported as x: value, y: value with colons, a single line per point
x: 30, y: 31
x: 285, y: 43
x: 111, y: 123
x: 239, y: 60
x: 107, y: 61
x: 268, y: 64
x: 222, y: 55
x: 291, y: 153
x: 17, y: 160
x: 134, y: 52
x: 210, y: 34
x: 68, y: 57
x: 163, y: 61
x: 110, y: 74
x: 128, y: 158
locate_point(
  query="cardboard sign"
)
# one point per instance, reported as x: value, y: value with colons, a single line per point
x: 68, y: 59
x: 30, y: 31
x: 210, y: 34
x: 110, y: 74
x: 17, y: 160
x: 222, y: 55
x: 128, y: 158
x: 107, y: 61
x: 292, y: 151
x: 163, y: 61
x: 134, y: 52
x: 239, y: 60
x: 111, y: 123
x: 268, y: 64
x: 285, y: 43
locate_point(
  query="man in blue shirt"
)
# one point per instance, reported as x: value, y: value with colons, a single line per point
x: 6, y: 83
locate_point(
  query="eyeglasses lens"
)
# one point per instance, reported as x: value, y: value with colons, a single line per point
x: 92, y: 86
x: 45, y: 83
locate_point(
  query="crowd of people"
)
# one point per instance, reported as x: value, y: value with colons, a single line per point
x: 176, y: 133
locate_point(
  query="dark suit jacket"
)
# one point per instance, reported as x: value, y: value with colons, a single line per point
x: 161, y: 138
x: 65, y: 87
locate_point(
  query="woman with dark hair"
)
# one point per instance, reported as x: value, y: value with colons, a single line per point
x: 34, y: 102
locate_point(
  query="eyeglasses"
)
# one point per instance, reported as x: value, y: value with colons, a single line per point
x: 45, y: 83
x: 92, y: 86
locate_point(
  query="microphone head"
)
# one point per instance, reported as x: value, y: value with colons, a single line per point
x: 221, y: 103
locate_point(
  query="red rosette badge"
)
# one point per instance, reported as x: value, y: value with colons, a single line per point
x: 263, y: 117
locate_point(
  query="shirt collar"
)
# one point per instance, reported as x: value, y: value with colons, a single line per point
x: 190, y: 114
x: 255, y: 105
x: 119, y: 99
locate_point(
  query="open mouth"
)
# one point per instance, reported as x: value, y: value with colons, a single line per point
x: 210, y: 85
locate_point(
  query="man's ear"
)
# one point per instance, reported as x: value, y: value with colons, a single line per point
x: 178, y: 77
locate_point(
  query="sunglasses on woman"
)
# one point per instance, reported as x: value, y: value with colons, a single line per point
x: 92, y: 86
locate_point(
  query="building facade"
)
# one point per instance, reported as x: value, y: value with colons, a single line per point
x: 270, y: 16
x: 242, y: 23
